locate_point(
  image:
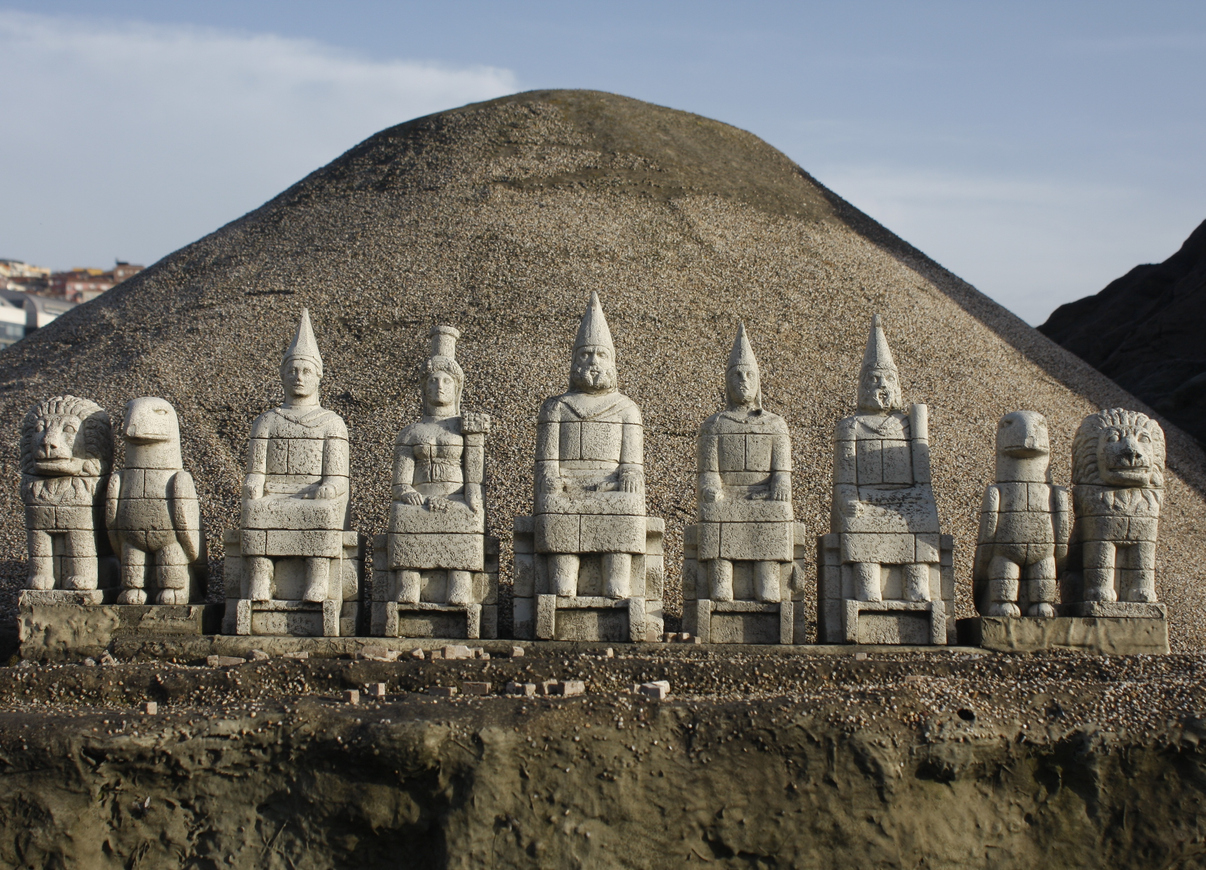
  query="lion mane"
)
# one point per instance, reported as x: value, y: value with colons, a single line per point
x: 98, y: 433
x: 1099, y: 425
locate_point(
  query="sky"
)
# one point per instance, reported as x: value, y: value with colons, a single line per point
x: 1037, y: 149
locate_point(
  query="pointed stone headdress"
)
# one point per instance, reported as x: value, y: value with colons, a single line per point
x: 743, y: 355
x: 877, y: 355
x: 304, y: 346
x: 593, y: 330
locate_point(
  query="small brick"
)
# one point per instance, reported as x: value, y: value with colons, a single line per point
x: 351, y: 696
x: 525, y: 689
x: 658, y: 690
x: 860, y: 656
x: 298, y: 656
x: 224, y: 661
x: 258, y: 655
x: 609, y: 653
x: 475, y: 688
x: 684, y: 637
x: 571, y: 687
x: 546, y: 688
x: 435, y: 654
x: 441, y: 691
x: 516, y: 652
x: 150, y: 708
x: 375, y: 690
x: 417, y: 654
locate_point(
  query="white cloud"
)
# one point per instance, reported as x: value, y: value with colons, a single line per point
x: 1030, y: 243
x: 130, y: 140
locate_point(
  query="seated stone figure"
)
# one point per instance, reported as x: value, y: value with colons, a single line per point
x: 590, y: 474
x: 437, y: 524
x: 595, y: 549
x: 1025, y: 522
x: 745, y: 516
x: 295, y: 496
x: 884, y: 520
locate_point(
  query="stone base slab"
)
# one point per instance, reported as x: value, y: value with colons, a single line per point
x: 69, y: 631
x: 740, y: 621
x: 294, y: 618
x: 425, y: 620
x: 1098, y: 635
x: 894, y: 622
x: 1115, y: 609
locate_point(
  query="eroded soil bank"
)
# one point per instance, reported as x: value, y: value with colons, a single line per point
x: 758, y: 761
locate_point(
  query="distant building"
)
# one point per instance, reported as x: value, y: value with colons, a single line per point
x: 23, y: 313
x: 84, y: 285
x: 19, y: 269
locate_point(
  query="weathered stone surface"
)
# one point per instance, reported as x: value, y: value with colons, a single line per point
x: 1114, y: 635
x: 68, y: 632
x: 66, y: 454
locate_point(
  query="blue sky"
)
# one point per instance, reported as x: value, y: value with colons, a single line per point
x: 1038, y: 150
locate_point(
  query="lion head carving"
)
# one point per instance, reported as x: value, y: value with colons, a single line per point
x: 66, y: 437
x: 1118, y: 448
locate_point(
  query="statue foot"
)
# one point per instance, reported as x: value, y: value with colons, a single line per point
x: 1004, y: 608
x: 172, y: 596
x: 41, y: 581
x: 132, y: 596
x: 1142, y: 596
x: 1045, y: 610
x: 317, y: 592
x: 81, y: 582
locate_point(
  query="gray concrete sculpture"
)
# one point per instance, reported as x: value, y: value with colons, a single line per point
x: 152, y: 512
x: 885, y: 569
x: 294, y: 567
x: 739, y: 557
x: 1025, y: 523
x: 440, y: 572
x: 597, y: 557
x: 66, y: 454
x: 1117, y: 492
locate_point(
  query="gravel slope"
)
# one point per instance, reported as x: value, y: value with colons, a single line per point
x: 500, y: 218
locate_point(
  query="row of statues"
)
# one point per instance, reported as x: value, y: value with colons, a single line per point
x: 589, y: 560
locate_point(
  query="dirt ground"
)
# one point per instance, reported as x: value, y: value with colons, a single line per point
x: 765, y: 759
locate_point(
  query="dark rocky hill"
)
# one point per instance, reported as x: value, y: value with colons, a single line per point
x: 500, y: 218
x: 1145, y: 330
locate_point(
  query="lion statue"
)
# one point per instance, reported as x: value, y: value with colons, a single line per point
x: 1117, y: 489
x: 66, y: 451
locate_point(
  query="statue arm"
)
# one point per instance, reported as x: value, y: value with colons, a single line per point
x: 989, y: 509
x: 474, y: 428
x: 186, y: 513
x: 631, y: 472
x: 780, y: 478
x: 112, y: 497
x: 403, y: 489
x: 919, y: 424
x: 548, y: 448
x: 335, y: 468
x: 845, y: 472
x: 257, y: 463
x: 709, y: 483
x: 1061, y: 523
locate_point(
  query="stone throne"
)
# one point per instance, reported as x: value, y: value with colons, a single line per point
x: 740, y: 569
x: 435, y: 574
x: 293, y: 566
x: 589, y: 563
x: 885, y: 570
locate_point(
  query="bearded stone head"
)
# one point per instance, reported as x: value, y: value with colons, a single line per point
x: 594, y: 369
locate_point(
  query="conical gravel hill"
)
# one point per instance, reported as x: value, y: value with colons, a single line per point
x: 500, y: 218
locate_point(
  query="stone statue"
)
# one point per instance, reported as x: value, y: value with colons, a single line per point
x: 589, y: 562
x: 1025, y: 523
x: 437, y: 523
x: 884, y: 520
x: 744, y: 485
x: 152, y: 512
x: 295, y: 494
x: 66, y: 453
x: 1117, y: 490
x: 590, y: 476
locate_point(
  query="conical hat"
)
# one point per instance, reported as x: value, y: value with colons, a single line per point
x: 593, y: 331
x: 877, y: 355
x: 742, y: 354
x: 304, y: 346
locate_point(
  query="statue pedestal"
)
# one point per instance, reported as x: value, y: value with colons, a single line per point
x: 430, y: 616
x: 540, y: 614
x: 58, y: 625
x: 1098, y: 635
x: 842, y: 618
x: 744, y: 619
x: 286, y: 614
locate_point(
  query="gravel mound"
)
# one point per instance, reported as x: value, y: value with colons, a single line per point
x: 500, y: 218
